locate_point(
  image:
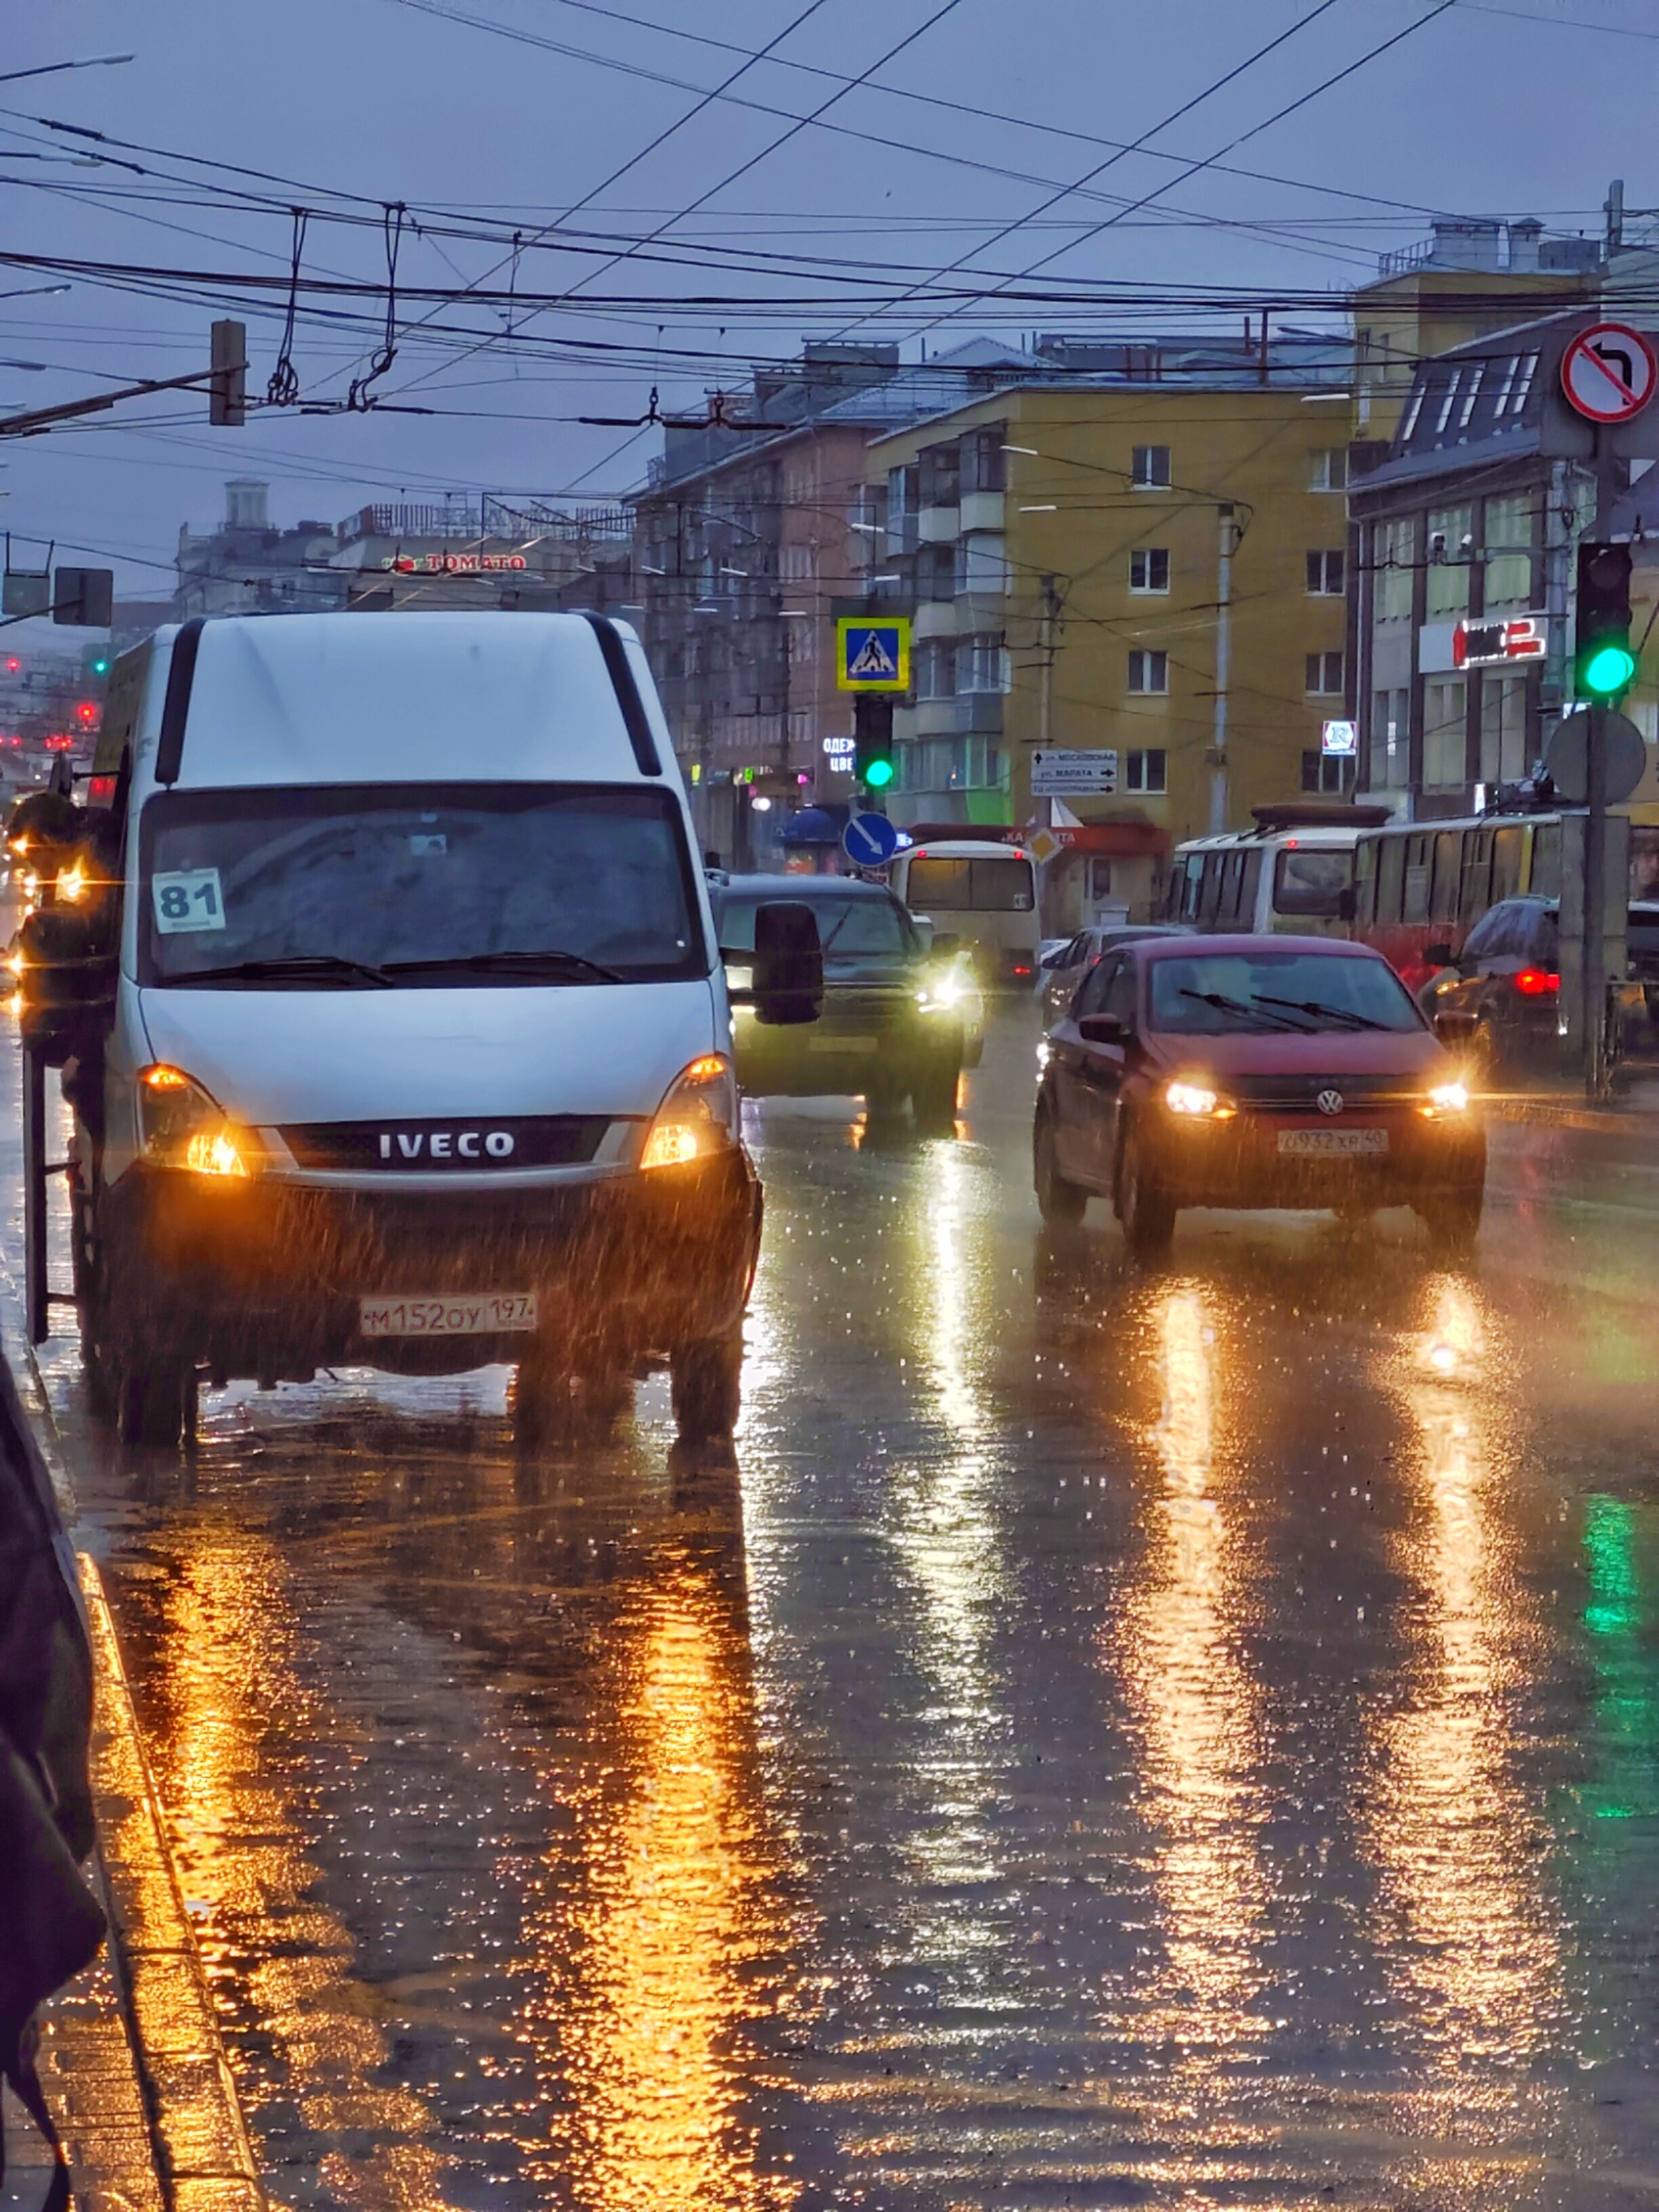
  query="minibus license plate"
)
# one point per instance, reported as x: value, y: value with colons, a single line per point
x: 468, y: 1313
x: 1332, y: 1144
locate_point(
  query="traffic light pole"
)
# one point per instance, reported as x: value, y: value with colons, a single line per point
x: 1595, y: 899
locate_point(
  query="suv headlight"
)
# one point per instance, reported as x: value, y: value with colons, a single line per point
x: 698, y: 1116
x: 182, y: 1125
x: 1196, y: 1101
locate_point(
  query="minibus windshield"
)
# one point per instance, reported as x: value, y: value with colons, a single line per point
x: 362, y: 885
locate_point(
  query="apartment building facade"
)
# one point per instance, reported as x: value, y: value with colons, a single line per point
x: 750, y: 537
x: 1143, y: 549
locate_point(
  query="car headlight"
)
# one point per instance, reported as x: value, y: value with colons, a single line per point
x: 698, y: 1116
x: 1446, y: 1098
x: 1194, y: 1102
x: 944, y: 995
x: 182, y: 1125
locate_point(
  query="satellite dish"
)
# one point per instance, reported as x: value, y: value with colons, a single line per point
x: 1566, y: 756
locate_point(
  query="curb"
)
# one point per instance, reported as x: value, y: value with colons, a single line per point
x: 1606, y: 1121
x: 197, y: 2156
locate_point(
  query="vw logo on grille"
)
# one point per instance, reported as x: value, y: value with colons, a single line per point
x: 1329, y: 1101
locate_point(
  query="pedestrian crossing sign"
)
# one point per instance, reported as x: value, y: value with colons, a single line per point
x: 873, y: 656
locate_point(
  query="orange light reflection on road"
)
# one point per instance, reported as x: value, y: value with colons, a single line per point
x: 226, y: 1701
x: 673, y: 1910
x: 1198, y: 1709
x: 1458, y: 1839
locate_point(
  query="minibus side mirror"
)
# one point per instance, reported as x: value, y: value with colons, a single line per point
x: 1453, y: 1027
x: 788, y: 977
x: 1347, y: 904
x: 1437, y: 956
x: 945, y: 942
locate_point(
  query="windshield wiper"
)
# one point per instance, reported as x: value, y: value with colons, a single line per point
x: 1318, y: 1008
x: 486, y: 963
x: 1251, y: 1008
x: 322, y: 965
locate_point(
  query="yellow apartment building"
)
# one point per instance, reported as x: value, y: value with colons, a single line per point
x: 1141, y: 552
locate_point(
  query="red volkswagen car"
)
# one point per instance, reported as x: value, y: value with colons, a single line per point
x: 1254, y: 1071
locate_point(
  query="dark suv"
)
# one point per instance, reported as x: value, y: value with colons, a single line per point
x: 892, y: 1020
x: 1507, y: 975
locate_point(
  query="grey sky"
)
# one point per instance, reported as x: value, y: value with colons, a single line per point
x: 1496, y: 109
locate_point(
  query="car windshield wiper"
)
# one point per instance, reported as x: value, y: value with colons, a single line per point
x: 485, y: 963
x: 322, y: 966
x: 1320, y: 1010
x: 1250, y: 1008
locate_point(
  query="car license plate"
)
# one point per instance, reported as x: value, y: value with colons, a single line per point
x: 466, y: 1313
x: 844, y: 1043
x: 1332, y: 1144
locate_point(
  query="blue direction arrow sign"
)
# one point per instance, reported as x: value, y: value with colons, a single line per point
x: 870, y: 840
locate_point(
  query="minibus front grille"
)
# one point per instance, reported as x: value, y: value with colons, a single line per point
x: 477, y: 1143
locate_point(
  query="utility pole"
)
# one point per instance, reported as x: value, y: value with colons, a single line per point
x: 1048, y: 643
x: 1224, y: 645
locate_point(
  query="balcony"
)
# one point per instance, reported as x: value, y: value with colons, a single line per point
x: 982, y: 510
x: 977, y: 713
x: 939, y: 525
x: 935, y: 618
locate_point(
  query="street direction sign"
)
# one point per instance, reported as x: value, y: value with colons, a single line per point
x: 1609, y: 373
x: 1566, y: 756
x: 870, y: 841
x: 1060, y: 774
x: 873, y: 656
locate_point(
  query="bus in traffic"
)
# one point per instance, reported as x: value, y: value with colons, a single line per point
x: 1293, y: 873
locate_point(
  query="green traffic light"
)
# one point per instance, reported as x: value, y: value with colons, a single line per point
x: 1609, y: 670
x: 100, y: 665
x: 878, y: 773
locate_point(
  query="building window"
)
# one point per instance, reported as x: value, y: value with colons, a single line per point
x: 1328, y: 468
x: 1327, y: 772
x: 984, y: 465
x: 1451, y: 543
x: 936, y: 668
x: 1444, y: 748
x: 1149, y: 671
x: 981, y: 565
x: 982, y: 663
x: 936, y: 572
x: 1150, y: 468
x: 1508, y: 533
x: 1503, y: 728
x: 1148, y: 771
x: 1393, y: 550
x: 1326, y: 575
x: 940, y: 474
x: 1149, y: 569
x: 1391, y: 740
x: 1324, y: 675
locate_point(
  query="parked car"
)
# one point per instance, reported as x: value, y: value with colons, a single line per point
x: 1071, y: 961
x: 1507, y: 979
x: 1252, y: 1072
x: 891, y: 1025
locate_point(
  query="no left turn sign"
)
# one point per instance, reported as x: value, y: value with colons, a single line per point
x: 1608, y: 372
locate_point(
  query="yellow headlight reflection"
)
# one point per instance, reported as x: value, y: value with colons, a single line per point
x: 214, y: 1152
x: 1446, y: 1098
x: 1195, y: 1102
x: 670, y: 1144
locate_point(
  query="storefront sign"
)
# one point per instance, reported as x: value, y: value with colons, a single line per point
x: 452, y: 564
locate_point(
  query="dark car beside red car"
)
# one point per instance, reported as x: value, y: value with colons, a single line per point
x: 1253, y: 1072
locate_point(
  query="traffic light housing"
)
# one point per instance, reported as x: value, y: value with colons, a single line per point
x: 1603, y: 663
x: 872, y: 742
x: 83, y: 598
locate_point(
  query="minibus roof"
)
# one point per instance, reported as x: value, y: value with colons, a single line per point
x: 448, y: 697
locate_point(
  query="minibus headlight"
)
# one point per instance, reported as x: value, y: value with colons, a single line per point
x: 182, y: 1125
x: 698, y: 1116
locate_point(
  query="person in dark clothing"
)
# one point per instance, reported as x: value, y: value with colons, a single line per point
x: 51, y: 1923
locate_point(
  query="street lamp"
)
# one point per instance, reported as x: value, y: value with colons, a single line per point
x: 50, y: 69
x: 34, y: 291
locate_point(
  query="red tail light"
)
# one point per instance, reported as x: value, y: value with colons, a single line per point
x: 1534, y: 983
x: 1018, y: 971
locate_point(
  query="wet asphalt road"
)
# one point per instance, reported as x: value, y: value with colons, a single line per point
x: 1179, y: 1737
